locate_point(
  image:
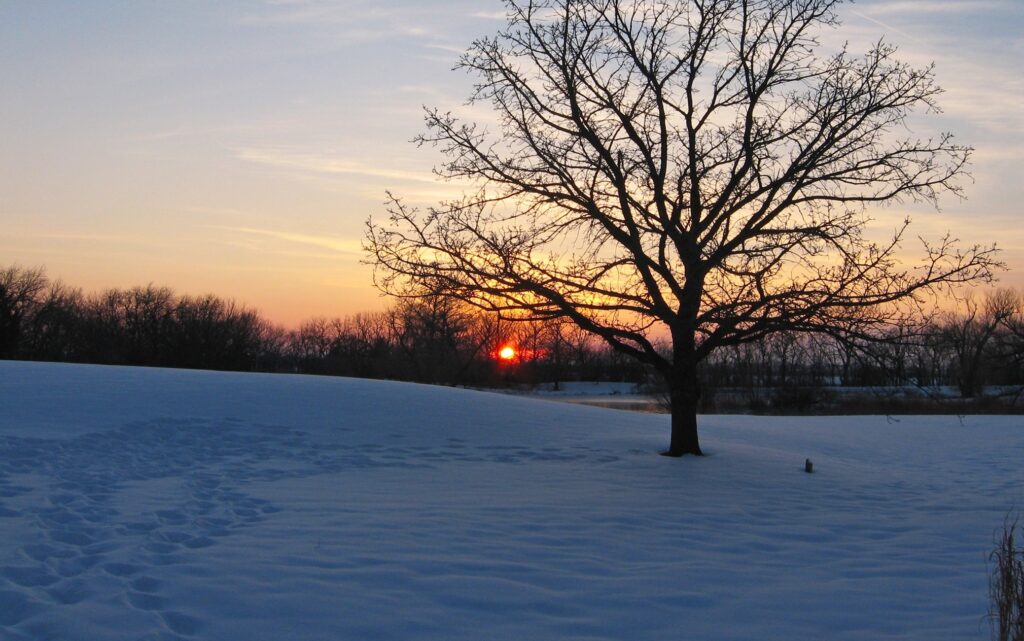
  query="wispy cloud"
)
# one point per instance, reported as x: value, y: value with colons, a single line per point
x: 337, y: 244
x: 983, y: 90
x: 884, y: 25
x: 313, y: 12
x: 326, y: 164
x: 448, y: 48
x: 351, y: 21
x: 260, y: 127
x: 489, y: 15
x: 91, y: 238
x: 1001, y: 152
x: 924, y: 7
x: 231, y: 212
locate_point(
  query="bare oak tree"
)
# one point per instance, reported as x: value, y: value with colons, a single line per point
x: 689, y: 170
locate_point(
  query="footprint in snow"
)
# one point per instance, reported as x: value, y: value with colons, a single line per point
x: 87, y: 528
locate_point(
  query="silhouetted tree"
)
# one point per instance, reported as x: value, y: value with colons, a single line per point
x: 312, y: 343
x: 210, y: 333
x: 54, y: 331
x: 364, y: 346
x: 695, y: 169
x: 20, y: 290
x: 138, y: 323
x: 972, y: 334
x: 439, y: 337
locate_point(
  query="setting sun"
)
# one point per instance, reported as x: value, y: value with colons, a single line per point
x: 507, y: 353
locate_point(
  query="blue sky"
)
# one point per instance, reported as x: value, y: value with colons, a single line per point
x: 238, y: 147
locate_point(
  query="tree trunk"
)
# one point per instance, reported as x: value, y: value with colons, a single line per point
x: 684, y: 393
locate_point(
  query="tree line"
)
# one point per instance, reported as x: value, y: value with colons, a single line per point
x: 433, y: 339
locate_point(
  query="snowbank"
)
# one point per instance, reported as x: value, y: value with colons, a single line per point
x: 165, y: 504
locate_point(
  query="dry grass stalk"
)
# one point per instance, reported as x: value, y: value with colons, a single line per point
x: 1006, y: 586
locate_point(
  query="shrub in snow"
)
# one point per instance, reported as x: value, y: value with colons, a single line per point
x: 1006, y: 587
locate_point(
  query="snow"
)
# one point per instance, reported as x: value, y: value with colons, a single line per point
x: 608, y: 394
x: 169, y: 504
x: 586, y: 388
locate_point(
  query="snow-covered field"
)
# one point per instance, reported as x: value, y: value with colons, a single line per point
x: 163, y: 504
x: 622, y: 396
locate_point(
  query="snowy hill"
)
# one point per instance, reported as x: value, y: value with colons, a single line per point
x: 168, y: 504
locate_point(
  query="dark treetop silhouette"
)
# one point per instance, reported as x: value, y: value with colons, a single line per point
x: 692, y: 170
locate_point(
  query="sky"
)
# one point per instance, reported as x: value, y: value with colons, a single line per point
x: 237, y: 148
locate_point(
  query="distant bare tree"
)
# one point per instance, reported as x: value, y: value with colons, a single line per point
x: 311, y: 344
x: 21, y: 289
x: 146, y: 316
x: 54, y: 329
x: 439, y: 337
x: 363, y: 346
x: 1010, y: 336
x: 971, y: 332
x: 691, y: 168
x: 211, y: 333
